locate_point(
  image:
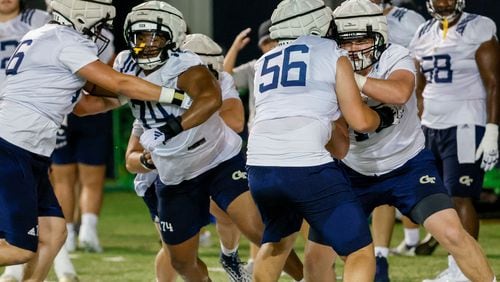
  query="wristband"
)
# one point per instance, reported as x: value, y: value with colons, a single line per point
x: 145, y: 164
x: 360, y: 80
x: 166, y: 95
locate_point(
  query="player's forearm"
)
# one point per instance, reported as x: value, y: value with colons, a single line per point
x: 133, y: 163
x: 388, y: 91
x: 230, y: 59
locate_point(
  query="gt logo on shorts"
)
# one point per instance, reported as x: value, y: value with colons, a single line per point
x: 465, y: 180
x: 427, y: 179
x: 237, y: 175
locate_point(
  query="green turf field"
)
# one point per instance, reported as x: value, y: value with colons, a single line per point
x: 130, y: 243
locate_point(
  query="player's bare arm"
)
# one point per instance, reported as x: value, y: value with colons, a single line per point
x: 205, y: 91
x: 488, y: 62
x: 357, y: 114
x: 396, y: 89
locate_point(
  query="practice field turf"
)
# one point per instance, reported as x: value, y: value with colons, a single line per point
x: 130, y: 244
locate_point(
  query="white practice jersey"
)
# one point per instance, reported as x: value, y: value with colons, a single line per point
x: 402, y: 25
x: 13, y: 30
x: 379, y: 153
x: 295, y: 104
x: 193, y: 151
x: 454, y: 93
x: 42, y: 86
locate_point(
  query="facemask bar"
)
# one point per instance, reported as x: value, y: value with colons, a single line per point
x: 364, y: 58
x: 147, y: 54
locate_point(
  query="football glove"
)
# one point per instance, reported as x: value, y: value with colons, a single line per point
x: 389, y: 115
x: 488, y: 147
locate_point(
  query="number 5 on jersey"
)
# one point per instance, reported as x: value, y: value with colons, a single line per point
x: 287, y: 68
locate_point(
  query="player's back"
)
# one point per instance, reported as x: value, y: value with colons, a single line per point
x: 402, y: 24
x: 454, y: 93
x: 41, y: 85
x: 295, y: 103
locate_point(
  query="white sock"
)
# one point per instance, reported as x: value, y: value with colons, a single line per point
x: 89, y: 219
x: 226, y: 251
x: 494, y: 279
x: 15, y: 271
x: 62, y: 264
x: 412, y: 236
x: 70, y: 227
x: 381, y: 252
x: 452, y: 264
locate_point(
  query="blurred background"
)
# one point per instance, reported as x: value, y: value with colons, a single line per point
x: 223, y: 20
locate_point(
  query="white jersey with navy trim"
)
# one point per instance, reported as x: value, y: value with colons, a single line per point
x: 13, y: 30
x: 402, y: 25
x: 379, y: 153
x: 42, y: 86
x: 295, y: 104
x: 454, y: 93
x: 193, y: 151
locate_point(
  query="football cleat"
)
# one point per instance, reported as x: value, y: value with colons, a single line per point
x: 234, y: 268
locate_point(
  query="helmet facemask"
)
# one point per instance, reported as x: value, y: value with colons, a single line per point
x: 96, y: 35
x: 363, y: 58
x: 451, y: 13
x: 149, y: 47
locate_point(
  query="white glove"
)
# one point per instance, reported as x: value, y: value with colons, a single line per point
x: 488, y: 147
x: 151, y: 138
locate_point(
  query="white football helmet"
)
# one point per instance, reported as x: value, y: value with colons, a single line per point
x: 294, y: 18
x: 361, y: 19
x: 87, y: 17
x: 453, y: 12
x: 151, y: 29
x: 209, y: 51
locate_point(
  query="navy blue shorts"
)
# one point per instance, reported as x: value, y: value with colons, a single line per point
x: 402, y: 188
x: 319, y: 194
x: 151, y: 201
x: 185, y: 208
x: 461, y: 180
x: 25, y: 195
x: 85, y: 140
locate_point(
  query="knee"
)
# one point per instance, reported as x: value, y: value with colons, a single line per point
x: 181, y: 266
x: 454, y: 236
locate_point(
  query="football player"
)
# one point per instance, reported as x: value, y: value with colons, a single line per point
x: 457, y: 86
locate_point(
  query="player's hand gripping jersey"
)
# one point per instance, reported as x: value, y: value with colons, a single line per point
x: 41, y: 88
x: 454, y: 93
x: 381, y: 152
x: 193, y: 151
x: 295, y: 104
x: 12, y: 31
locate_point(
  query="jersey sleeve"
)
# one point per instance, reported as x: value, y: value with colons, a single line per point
x: 77, y: 52
x: 178, y: 62
x: 227, y: 86
x: 35, y: 18
x: 479, y: 30
x: 395, y: 58
x: 122, y: 60
x: 413, y: 21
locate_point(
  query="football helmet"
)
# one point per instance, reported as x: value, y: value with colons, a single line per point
x: 294, y: 18
x: 152, y: 29
x: 357, y: 20
x: 209, y: 51
x: 453, y: 12
x: 87, y: 17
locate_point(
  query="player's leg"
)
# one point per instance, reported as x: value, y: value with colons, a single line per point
x: 446, y: 227
x: 51, y: 224
x: 63, y: 178
x: 92, y: 183
x: 183, y: 210
x: 382, y: 226
x: 319, y: 261
x: 229, y: 190
x: 163, y: 267
x: 271, y: 259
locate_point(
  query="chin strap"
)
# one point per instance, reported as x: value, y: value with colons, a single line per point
x: 445, y: 27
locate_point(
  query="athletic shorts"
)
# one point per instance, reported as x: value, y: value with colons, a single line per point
x: 454, y: 152
x: 25, y: 195
x: 184, y: 208
x: 84, y: 140
x: 321, y: 195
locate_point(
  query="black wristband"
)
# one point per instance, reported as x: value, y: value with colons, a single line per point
x: 172, y: 127
x: 145, y: 164
x: 386, y: 116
